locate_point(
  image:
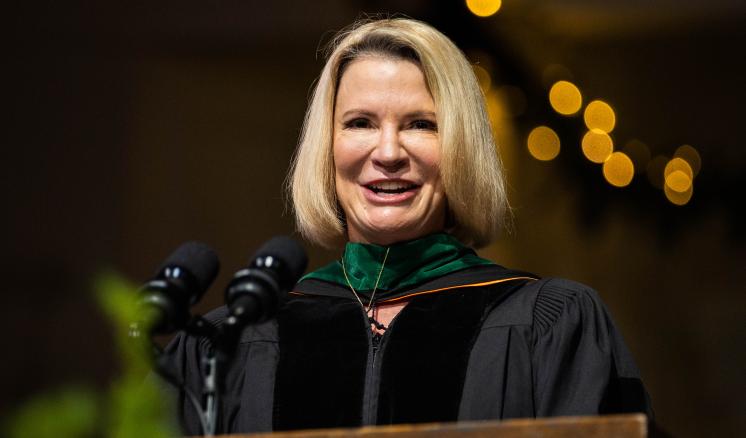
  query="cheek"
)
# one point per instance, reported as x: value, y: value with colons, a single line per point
x: 343, y: 171
x: 430, y: 164
x: 348, y: 158
x: 424, y: 150
x: 341, y: 163
x: 346, y: 171
x: 340, y: 153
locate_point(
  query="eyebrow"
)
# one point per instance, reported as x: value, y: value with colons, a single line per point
x: 356, y: 111
x: 367, y: 113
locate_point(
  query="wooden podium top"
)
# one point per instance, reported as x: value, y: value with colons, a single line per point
x: 611, y: 426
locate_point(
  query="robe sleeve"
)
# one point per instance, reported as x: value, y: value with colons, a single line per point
x: 580, y: 363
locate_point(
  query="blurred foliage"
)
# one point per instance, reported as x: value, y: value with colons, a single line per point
x: 133, y: 407
x: 136, y: 405
x: 69, y: 413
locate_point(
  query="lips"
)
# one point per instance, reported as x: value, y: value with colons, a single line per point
x: 389, y: 192
x: 391, y: 186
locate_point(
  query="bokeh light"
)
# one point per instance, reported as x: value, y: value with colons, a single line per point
x: 678, y: 198
x: 618, y: 169
x: 678, y: 181
x: 483, y: 77
x: 655, y: 169
x: 599, y: 115
x: 543, y: 143
x: 678, y: 164
x: 691, y: 156
x: 597, y: 145
x: 565, y: 98
x: 678, y: 175
x: 639, y: 153
x: 483, y: 8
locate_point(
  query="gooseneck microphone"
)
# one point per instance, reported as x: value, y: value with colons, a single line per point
x: 179, y: 283
x: 256, y: 292
x: 253, y: 296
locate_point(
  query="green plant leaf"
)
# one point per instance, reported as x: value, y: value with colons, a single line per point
x: 70, y: 413
x: 135, y: 406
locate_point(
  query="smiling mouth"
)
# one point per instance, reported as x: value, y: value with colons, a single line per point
x: 391, y: 187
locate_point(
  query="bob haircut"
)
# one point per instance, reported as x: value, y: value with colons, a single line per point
x: 470, y: 169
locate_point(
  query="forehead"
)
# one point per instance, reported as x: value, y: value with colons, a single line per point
x: 379, y: 80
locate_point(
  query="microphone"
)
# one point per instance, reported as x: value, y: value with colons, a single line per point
x: 255, y: 293
x: 179, y: 283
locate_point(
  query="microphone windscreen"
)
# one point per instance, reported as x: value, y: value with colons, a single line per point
x: 198, y: 259
x: 291, y: 253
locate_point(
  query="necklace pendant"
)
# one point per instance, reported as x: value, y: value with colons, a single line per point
x: 370, y: 310
x: 376, y: 324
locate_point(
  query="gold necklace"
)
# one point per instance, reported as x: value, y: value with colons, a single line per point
x: 372, y: 295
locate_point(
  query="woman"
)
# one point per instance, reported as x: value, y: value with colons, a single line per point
x: 397, y: 161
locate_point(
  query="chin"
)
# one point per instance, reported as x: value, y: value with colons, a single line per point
x: 387, y: 234
x: 386, y: 229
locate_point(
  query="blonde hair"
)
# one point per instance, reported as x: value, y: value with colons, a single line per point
x: 470, y: 170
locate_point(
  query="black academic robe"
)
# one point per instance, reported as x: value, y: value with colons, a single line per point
x: 482, y: 343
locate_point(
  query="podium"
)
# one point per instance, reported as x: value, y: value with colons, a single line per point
x: 611, y: 426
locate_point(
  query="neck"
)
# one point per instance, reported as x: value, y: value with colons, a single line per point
x: 388, y: 238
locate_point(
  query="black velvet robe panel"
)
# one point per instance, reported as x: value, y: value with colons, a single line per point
x: 459, y: 351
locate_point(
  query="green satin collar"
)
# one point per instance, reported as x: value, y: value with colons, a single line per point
x: 408, y: 264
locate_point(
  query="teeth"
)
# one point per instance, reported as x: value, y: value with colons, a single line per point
x: 390, y: 185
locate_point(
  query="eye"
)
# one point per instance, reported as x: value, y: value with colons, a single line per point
x: 426, y: 125
x: 358, y: 123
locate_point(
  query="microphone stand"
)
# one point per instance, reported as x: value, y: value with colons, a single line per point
x: 217, y: 354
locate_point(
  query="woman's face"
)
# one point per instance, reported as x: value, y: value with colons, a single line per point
x: 387, y: 152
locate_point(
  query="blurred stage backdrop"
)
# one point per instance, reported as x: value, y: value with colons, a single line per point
x: 135, y: 127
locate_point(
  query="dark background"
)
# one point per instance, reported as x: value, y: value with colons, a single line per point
x: 134, y: 127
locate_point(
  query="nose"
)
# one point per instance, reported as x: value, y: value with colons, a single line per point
x: 389, y: 153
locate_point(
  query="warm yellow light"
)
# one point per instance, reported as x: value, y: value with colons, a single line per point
x: 599, y: 115
x: 678, y: 164
x: 678, y: 181
x: 639, y: 153
x: 597, y: 145
x: 678, y: 198
x: 483, y: 77
x: 543, y: 143
x: 691, y: 156
x: 565, y: 98
x: 483, y: 8
x: 678, y: 175
x: 618, y: 169
x: 655, y: 171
